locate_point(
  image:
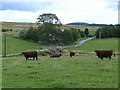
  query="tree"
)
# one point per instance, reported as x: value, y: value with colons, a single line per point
x: 48, y: 18
x: 86, y: 31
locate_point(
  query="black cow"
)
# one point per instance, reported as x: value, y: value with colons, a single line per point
x: 31, y: 54
x: 104, y: 53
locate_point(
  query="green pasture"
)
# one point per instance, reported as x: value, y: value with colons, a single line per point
x: 81, y: 71
x: 16, y: 45
x: 92, y: 45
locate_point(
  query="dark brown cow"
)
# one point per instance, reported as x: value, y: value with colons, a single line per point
x: 55, y: 56
x: 32, y: 54
x: 104, y: 53
x: 72, y: 54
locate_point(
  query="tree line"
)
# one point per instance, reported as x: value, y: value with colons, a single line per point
x: 49, y: 30
x: 50, y: 33
x: 108, y: 31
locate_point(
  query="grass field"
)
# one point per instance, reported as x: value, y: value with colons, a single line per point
x: 16, y: 26
x: 90, y: 46
x: 16, y: 45
x: 82, y: 71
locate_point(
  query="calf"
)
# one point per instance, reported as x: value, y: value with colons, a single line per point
x: 104, y: 53
x: 72, y: 54
x: 32, y: 54
x: 55, y: 56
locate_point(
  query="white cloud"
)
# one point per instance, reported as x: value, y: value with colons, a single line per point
x: 91, y: 11
x: 19, y: 16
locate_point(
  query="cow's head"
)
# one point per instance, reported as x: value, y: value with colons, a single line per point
x: 22, y: 53
x: 95, y: 51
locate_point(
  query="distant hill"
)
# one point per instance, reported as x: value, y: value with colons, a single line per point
x: 85, y: 24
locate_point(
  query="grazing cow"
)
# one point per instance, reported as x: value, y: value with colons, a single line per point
x: 104, y: 53
x: 72, y: 54
x: 55, y: 56
x: 32, y: 54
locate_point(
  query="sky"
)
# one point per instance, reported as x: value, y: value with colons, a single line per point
x: 68, y: 11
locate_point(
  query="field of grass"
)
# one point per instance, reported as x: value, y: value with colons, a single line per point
x: 81, y: 71
x: 90, y: 46
x: 16, y: 45
x: 16, y: 26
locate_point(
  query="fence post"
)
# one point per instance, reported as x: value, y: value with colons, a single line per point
x: 4, y: 44
x: 100, y: 40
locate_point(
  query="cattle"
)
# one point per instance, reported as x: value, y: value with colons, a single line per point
x: 31, y: 54
x: 72, y: 54
x: 55, y: 56
x: 104, y: 53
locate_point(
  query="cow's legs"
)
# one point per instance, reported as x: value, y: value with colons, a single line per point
x: 26, y: 58
x: 109, y: 57
x: 36, y: 58
x: 101, y: 58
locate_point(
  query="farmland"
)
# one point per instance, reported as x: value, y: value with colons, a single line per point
x: 16, y: 45
x: 81, y: 71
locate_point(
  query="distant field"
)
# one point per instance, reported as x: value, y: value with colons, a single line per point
x: 82, y: 71
x: 90, y: 46
x: 92, y: 29
x: 16, y: 27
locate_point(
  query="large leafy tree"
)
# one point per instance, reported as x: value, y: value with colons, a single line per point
x: 48, y: 18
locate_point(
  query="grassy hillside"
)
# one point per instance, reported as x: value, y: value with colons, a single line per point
x: 16, y: 45
x: 15, y: 26
x: 82, y: 71
x: 90, y: 46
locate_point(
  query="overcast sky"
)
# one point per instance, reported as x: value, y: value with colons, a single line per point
x: 89, y: 11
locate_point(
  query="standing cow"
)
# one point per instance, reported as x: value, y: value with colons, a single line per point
x: 31, y: 54
x: 104, y: 53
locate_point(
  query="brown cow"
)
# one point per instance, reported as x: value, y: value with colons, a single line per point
x: 55, y: 56
x: 72, y: 54
x: 104, y: 53
x: 32, y: 54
